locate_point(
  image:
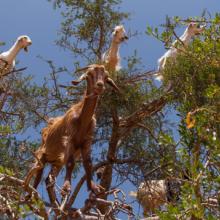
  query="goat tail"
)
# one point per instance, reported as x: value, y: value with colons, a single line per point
x: 133, y: 194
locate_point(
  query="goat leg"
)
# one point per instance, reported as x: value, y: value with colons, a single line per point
x: 34, y: 170
x: 38, y: 166
x: 50, y: 182
x: 66, y: 189
x: 87, y: 163
x: 38, y: 177
x: 38, y: 169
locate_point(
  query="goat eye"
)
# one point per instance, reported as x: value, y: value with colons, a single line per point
x: 96, y: 69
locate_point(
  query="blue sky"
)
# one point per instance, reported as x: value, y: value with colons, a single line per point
x: 41, y: 22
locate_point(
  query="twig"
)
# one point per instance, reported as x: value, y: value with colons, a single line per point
x: 178, y: 40
x: 196, y: 21
x: 149, y: 131
x: 63, y: 204
x: 13, y: 71
x: 101, y: 164
x: 42, y: 212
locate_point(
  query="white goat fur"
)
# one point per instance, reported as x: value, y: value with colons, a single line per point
x: 185, y: 39
x: 7, y: 58
x: 151, y: 194
x: 111, y: 57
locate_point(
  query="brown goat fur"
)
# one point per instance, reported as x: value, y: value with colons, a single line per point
x: 70, y: 136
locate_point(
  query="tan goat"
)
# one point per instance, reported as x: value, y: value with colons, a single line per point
x: 69, y: 137
x: 111, y: 57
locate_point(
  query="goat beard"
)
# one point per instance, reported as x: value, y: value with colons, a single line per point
x: 26, y: 49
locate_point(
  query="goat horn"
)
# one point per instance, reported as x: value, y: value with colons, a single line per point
x: 76, y: 82
x: 112, y: 83
x: 82, y: 69
x: 81, y: 78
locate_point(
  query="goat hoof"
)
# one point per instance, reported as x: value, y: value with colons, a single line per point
x: 66, y: 189
x: 25, y: 186
x: 97, y: 189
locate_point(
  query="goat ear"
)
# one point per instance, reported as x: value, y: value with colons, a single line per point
x: 112, y: 83
x: 83, y: 77
x: 76, y: 82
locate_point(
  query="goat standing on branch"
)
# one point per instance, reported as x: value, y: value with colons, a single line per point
x: 7, y: 59
x: 111, y: 57
x: 192, y: 30
x: 70, y: 136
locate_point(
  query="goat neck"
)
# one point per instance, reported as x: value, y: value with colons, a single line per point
x: 112, y: 61
x: 88, y: 106
x: 10, y: 55
x: 113, y: 50
x: 186, y: 37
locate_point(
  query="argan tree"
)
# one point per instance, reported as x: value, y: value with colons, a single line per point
x: 134, y: 139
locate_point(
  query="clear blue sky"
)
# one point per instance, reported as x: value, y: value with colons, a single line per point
x: 37, y: 19
x: 41, y: 22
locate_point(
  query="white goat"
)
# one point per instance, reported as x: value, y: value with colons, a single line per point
x: 192, y: 30
x: 151, y: 194
x: 7, y: 59
x: 111, y: 57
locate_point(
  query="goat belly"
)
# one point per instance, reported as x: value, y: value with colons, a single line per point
x: 59, y: 160
x: 55, y: 154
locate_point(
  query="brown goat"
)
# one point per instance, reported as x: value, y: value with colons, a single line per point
x: 70, y: 136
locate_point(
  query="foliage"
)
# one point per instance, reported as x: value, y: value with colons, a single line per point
x: 194, y: 76
x: 134, y: 137
x: 87, y: 26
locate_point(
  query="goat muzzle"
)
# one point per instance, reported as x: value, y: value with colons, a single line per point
x: 100, y: 84
x: 123, y: 38
x: 99, y: 88
x: 26, y: 47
